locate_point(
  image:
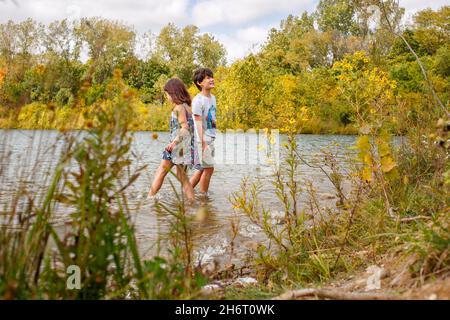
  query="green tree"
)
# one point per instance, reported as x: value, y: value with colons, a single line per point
x: 337, y: 15
x: 284, y: 49
x: 432, y: 29
x: 18, y: 48
x: 183, y: 50
x: 143, y: 75
x: 240, y: 91
x: 110, y: 44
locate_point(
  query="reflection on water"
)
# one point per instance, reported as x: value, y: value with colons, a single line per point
x: 29, y: 156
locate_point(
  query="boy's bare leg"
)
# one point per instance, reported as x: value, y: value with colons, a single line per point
x: 161, y: 172
x: 206, y: 179
x: 187, y: 187
x: 195, y: 179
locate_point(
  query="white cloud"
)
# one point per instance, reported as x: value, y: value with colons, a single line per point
x: 412, y: 6
x: 240, y: 17
x: 143, y: 15
x: 243, y: 41
x: 236, y: 12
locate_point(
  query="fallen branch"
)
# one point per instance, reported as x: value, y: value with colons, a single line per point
x: 415, y: 218
x: 333, y: 294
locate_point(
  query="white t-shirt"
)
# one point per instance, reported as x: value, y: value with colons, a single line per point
x: 206, y: 108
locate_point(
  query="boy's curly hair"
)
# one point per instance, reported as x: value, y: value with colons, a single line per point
x: 200, y: 74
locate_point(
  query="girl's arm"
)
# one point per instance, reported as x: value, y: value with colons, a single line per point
x: 184, y: 130
x: 181, y: 114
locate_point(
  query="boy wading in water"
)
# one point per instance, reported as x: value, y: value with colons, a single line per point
x: 180, y: 150
x: 204, y: 110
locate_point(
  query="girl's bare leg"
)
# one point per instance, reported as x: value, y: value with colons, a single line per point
x: 161, y: 172
x: 195, y: 179
x: 206, y: 179
x: 187, y: 187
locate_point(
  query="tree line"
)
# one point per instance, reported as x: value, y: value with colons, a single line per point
x: 317, y: 72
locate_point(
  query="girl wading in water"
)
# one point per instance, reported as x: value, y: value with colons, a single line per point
x: 181, y: 149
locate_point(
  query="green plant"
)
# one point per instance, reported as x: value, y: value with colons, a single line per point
x: 307, y: 245
x: 173, y: 268
x: 64, y: 97
x: 100, y: 240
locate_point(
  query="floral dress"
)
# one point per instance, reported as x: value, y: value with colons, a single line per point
x: 184, y: 152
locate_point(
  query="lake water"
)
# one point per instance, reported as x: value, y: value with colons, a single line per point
x: 28, y: 156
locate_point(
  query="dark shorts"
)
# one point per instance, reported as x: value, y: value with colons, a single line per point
x: 198, y: 167
x: 167, y: 155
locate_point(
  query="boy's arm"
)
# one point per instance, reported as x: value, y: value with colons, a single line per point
x: 199, y: 128
x: 198, y: 118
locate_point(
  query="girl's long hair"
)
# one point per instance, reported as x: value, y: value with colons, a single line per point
x: 177, y: 91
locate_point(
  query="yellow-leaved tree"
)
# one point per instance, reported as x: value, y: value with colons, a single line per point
x: 240, y: 92
x: 370, y: 93
x: 283, y: 109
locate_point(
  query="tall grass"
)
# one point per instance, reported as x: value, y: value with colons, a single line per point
x: 89, y: 184
x: 313, y: 244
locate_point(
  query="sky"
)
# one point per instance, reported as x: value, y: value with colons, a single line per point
x: 241, y: 25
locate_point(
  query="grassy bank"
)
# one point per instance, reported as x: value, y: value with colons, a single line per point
x: 391, y: 227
